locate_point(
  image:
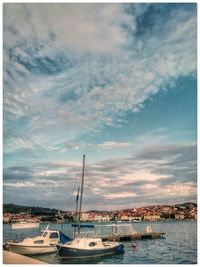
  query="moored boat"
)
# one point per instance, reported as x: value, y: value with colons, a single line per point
x: 87, y: 247
x: 42, y: 244
x: 25, y: 225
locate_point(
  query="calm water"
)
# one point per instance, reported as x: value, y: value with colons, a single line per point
x: 178, y: 247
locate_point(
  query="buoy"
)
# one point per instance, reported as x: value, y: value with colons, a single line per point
x: 148, y: 229
x: 134, y: 245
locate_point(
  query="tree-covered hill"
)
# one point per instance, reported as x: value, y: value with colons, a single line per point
x: 12, y: 208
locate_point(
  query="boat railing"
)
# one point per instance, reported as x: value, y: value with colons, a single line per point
x: 87, y: 233
x: 110, y: 229
x: 94, y: 233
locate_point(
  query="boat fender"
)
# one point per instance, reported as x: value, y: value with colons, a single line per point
x: 148, y: 229
x: 120, y: 249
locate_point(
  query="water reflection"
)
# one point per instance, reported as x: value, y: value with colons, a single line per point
x: 178, y: 246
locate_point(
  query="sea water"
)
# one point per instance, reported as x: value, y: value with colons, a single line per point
x: 178, y: 247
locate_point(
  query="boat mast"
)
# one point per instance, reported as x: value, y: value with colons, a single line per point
x: 81, y: 196
x: 77, y: 202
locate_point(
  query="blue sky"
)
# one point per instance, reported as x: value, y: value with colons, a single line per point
x: 116, y: 82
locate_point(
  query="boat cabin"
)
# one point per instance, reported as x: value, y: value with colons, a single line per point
x: 48, y: 236
x: 86, y: 243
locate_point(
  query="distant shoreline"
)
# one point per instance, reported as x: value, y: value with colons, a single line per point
x: 97, y: 222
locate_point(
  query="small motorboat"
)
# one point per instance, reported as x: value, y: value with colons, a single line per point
x: 25, y: 225
x: 87, y: 247
x: 44, y: 243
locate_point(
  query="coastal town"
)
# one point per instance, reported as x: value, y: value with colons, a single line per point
x: 187, y: 211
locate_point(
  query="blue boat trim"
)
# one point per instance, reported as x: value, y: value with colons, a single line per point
x: 63, y: 238
x: 66, y: 252
x: 83, y: 225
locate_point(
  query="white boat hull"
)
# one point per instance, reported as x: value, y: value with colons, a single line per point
x: 31, y: 250
x: 25, y: 225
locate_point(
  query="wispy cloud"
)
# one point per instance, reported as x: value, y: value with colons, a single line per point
x: 113, y: 145
x: 73, y: 70
x: 76, y: 68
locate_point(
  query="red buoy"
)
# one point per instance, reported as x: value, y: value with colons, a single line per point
x: 134, y: 245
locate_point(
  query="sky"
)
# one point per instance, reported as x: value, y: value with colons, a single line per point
x: 116, y: 82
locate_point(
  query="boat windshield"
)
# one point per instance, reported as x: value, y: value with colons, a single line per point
x: 45, y: 234
x: 54, y: 235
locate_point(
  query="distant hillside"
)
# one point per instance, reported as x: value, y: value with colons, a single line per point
x: 12, y: 208
x: 188, y: 205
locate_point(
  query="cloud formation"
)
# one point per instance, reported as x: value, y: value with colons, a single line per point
x: 170, y: 172
x: 76, y: 68
x: 73, y: 72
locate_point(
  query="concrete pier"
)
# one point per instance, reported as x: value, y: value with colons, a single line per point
x: 133, y: 236
x: 13, y: 258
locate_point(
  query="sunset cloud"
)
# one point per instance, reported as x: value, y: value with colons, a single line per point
x: 124, y: 180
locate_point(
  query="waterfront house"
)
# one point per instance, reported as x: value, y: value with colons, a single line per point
x: 151, y: 217
x: 193, y: 213
x: 85, y: 216
x: 124, y: 217
x: 92, y: 216
x: 180, y: 215
x: 6, y: 218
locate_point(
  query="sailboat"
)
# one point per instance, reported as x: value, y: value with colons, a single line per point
x: 87, y: 247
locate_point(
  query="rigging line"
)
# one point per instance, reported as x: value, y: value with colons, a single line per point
x: 89, y: 188
x: 76, y: 184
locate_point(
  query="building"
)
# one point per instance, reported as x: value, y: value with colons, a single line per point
x: 151, y: 217
x: 125, y: 217
x: 85, y: 216
x: 180, y: 215
x: 6, y: 218
x: 193, y: 213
